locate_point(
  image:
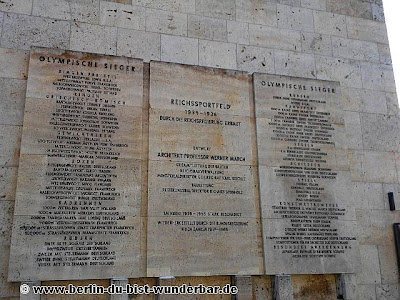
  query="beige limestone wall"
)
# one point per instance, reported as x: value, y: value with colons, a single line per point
x: 340, y: 40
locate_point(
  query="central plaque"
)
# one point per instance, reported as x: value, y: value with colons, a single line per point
x: 203, y: 214
x: 78, y: 200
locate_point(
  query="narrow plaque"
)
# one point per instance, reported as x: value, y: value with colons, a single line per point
x: 305, y: 187
x: 203, y: 217
x: 77, y: 210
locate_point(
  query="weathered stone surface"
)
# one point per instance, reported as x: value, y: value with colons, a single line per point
x: 384, y: 54
x: 166, y: 22
x: 52, y: 9
x: 346, y: 71
x: 354, y: 49
x: 8, y: 183
x: 387, y: 256
x: 139, y: 44
x: 1, y: 21
x: 93, y: 38
x: 22, y: 32
x: 121, y: 15
x: 288, y: 2
x: 255, y: 59
x: 314, y: 4
x: 356, y: 8
x: 368, y: 195
x: 201, y: 178
x: 367, y: 30
x: 207, y: 28
x: 82, y: 145
x: 329, y: 23
x: 303, y: 187
x: 372, y: 166
x: 347, y: 286
x: 262, y: 287
x: 186, y: 6
x: 369, y: 271
x: 294, y: 64
x: 217, y: 54
x: 222, y: 9
x: 238, y: 32
x: 380, y: 132
x: 17, y: 6
x: 121, y: 1
x: 10, y: 143
x: 283, y: 287
x: 387, y: 291
x: 314, y: 287
x: 395, y: 189
x: 362, y: 100
x: 256, y: 12
x: 8, y: 289
x: 392, y: 104
x: 85, y: 11
x: 353, y: 130
x: 6, y: 217
x: 12, y: 101
x: 14, y: 63
x: 245, y: 287
x: 316, y: 43
x: 271, y: 37
x: 295, y: 18
x: 377, y: 12
x: 366, y: 292
x: 76, y: 10
x: 378, y: 77
x: 179, y: 49
x: 375, y: 227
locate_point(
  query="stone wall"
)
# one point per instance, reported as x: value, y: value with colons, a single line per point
x: 339, y: 40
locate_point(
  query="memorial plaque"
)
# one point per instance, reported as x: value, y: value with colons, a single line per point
x: 305, y: 187
x: 203, y: 209
x: 78, y: 200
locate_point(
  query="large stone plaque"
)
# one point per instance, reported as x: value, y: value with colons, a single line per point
x: 78, y: 201
x: 203, y: 214
x: 305, y: 187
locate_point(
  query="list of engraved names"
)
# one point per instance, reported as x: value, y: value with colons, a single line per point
x: 80, y: 129
x: 300, y: 134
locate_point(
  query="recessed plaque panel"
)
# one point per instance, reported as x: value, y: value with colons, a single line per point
x: 78, y: 199
x: 305, y: 187
x: 203, y: 209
